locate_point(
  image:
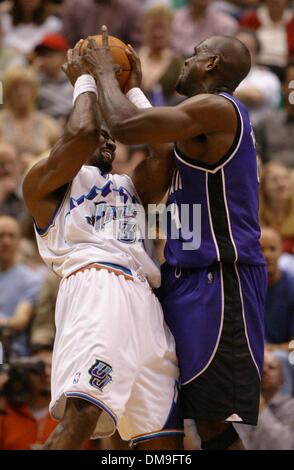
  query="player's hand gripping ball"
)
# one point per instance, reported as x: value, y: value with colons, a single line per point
x: 117, y: 49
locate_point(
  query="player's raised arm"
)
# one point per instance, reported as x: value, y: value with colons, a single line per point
x: 152, y: 176
x: 197, y: 115
x: 46, y: 181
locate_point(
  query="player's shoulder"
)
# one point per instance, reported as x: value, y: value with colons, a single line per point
x: 209, y: 100
x: 122, y: 179
x: 211, y: 107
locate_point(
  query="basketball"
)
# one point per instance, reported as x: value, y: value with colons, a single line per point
x: 119, y: 55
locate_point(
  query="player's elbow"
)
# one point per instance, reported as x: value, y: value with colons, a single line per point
x: 123, y: 133
x: 83, y: 131
x: 119, y: 132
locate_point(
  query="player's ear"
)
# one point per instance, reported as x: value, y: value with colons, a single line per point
x: 213, y: 62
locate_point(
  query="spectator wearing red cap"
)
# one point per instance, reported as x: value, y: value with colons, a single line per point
x: 55, y: 91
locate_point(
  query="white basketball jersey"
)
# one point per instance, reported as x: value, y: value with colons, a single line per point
x: 98, y: 220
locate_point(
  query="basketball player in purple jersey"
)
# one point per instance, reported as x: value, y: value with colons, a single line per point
x: 212, y: 294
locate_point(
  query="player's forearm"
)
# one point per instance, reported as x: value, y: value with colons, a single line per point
x: 116, y: 109
x: 83, y: 117
x: 80, y: 140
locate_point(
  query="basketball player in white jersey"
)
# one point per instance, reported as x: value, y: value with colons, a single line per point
x: 114, y: 362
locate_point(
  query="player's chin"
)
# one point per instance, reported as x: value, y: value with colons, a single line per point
x: 105, y: 161
x: 180, y: 87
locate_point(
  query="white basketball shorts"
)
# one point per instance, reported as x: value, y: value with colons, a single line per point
x: 113, y: 349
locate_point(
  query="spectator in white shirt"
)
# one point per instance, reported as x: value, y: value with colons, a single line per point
x: 275, y: 428
x: 261, y: 89
x: 26, y: 25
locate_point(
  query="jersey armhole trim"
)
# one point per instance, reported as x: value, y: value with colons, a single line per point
x: 44, y: 231
x: 198, y: 164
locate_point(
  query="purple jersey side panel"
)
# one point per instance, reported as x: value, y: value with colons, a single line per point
x: 228, y: 195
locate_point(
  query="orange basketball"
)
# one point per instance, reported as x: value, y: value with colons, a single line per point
x: 119, y: 55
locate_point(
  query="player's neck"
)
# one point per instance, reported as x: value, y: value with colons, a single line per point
x: 215, y: 90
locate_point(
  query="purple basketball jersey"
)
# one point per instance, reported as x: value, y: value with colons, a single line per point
x: 227, y: 195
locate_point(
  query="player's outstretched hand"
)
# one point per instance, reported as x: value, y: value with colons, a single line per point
x: 135, y: 79
x: 74, y: 66
x: 99, y: 59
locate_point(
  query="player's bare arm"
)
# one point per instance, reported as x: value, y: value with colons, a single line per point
x: 46, y: 182
x: 153, y: 175
x: 204, y: 114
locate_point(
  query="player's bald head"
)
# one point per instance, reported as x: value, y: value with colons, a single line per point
x: 234, y: 59
x: 218, y: 64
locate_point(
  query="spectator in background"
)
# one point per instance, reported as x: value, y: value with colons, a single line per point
x: 55, y: 91
x: 274, y: 23
x: 275, y: 133
x: 260, y: 91
x: 43, y: 325
x: 9, y: 57
x: 196, y: 22
x: 235, y: 8
x: 275, y: 428
x: 84, y: 18
x: 279, y: 307
x: 160, y: 65
x: 27, y: 23
x: 19, y: 287
x: 11, y: 202
x: 277, y: 202
x: 20, y: 124
x: 28, y: 254
x: 26, y: 424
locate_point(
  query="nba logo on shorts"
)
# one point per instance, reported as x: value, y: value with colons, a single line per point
x: 76, y: 378
x: 100, y: 373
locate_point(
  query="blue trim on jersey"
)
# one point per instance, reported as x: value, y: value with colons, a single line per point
x: 103, y: 191
x: 148, y: 437
x: 118, y: 267
x: 213, y: 168
x: 94, y: 401
x: 42, y: 231
x: 174, y: 402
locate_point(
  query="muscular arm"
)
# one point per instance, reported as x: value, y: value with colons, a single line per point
x: 153, y: 175
x: 79, y: 142
x: 202, y: 114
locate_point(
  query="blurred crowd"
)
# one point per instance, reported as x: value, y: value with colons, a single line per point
x: 35, y: 101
